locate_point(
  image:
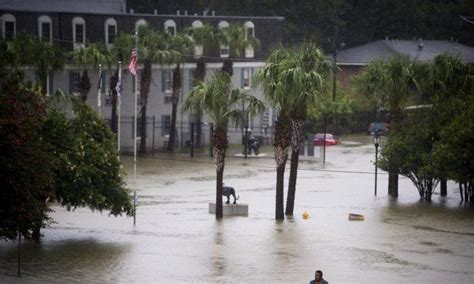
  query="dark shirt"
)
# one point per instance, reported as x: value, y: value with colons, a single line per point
x: 322, y: 281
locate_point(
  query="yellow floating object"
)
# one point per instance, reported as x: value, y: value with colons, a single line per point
x: 356, y: 217
x: 305, y: 215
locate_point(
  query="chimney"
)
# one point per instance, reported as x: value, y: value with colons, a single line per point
x: 386, y: 38
x: 178, y: 12
x: 132, y: 11
x: 155, y: 12
x: 185, y: 12
x: 213, y: 13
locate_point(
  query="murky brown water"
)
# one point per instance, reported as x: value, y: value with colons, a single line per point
x: 176, y: 240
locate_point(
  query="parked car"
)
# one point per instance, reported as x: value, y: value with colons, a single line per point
x: 380, y: 127
x: 318, y: 139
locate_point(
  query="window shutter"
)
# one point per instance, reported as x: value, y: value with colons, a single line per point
x: 242, y: 78
x: 191, y: 79
x: 51, y: 83
x: 71, y: 82
x: 104, y: 83
x: 163, y: 80
x: 163, y: 125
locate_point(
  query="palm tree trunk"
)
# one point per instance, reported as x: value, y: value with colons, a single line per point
x: 220, y: 147
x: 281, y: 144
x: 176, y: 89
x: 143, y: 129
x: 296, y: 127
x: 144, y: 92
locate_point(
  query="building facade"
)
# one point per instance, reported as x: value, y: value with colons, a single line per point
x: 74, y: 26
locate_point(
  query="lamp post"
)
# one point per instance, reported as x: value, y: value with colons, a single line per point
x: 376, y: 144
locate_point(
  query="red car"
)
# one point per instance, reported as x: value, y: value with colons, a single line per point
x: 318, y: 139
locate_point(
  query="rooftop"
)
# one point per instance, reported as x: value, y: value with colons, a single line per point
x: 422, y: 50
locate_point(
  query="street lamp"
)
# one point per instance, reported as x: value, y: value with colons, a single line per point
x: 376, y: 144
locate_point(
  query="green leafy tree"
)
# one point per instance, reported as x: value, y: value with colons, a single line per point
x: 393, y: 83
x: 26, y: 167
x: 88, y: 171
x: 220, y: 102
x: 453, y: 104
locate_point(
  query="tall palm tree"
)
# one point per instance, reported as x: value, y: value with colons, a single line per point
x: 44, y: 57
x: 181, y: 45
x: 120, y: 52
x: 234, y: 37
x: 278, y: 94
x: 305, y: 73
x: 221, y: 103
x: 88, y: 58
x: 153, y: 47
x: 206, y: 38
x: 395, y: 85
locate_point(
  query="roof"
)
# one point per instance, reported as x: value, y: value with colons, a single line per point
x: 422, y: 50
x: 78, y: 6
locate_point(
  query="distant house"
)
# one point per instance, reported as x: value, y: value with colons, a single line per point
x: 72, y: 24
x: 352, y: 60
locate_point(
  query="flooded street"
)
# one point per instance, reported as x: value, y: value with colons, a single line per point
x: 177, y: 240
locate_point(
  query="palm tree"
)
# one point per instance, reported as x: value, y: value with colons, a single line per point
x: 181, y: 45
x: 305, y: 74
x: 234, y: 37
x: 45, y: 58
x: 87, y: 58
x: 153, y: 47
x: 393, y: 84
x: 204, y: 37
x: 278, y: 94
x: 120, y: 52
x: 220, y: 102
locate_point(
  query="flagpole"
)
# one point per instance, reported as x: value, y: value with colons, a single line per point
x: 99, y: 99
x: 119, y: 102
x: 135, y: 120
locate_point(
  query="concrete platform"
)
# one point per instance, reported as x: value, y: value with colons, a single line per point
x: 260, y: 155
x: 238, y: 209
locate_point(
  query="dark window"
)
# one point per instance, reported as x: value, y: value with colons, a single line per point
x: 191, y: 78
x: 46, y: 31
x: 79, y: 33
x: 171, y: 30
x: 9, y: 30
x: 165, y: 125
x: 249, y: 33
x: 74, y: 78
x: 111, y: 32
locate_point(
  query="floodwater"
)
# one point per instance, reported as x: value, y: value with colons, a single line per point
x: 176, y: 240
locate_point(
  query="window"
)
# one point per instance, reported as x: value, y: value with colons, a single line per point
x: 139, y: 24
x: 198, y: 49
x: 170, y: 27
x: 191, y: 78
x: 246, y: 78
x: 8, y: 27
x: 74, y: 78
x: 78, y: 32
x: 166, y: 81
x: 249, y: 34
x: 45, y: 28
x: 165, y: 125
x: 224, y: 48
x: 110, y: 31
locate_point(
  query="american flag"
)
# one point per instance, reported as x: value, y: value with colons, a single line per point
x: 133, y: 62
x: 119, y: 83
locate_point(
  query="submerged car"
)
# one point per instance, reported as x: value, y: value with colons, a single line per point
x: 318, y: 139
x: 379, y: 127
